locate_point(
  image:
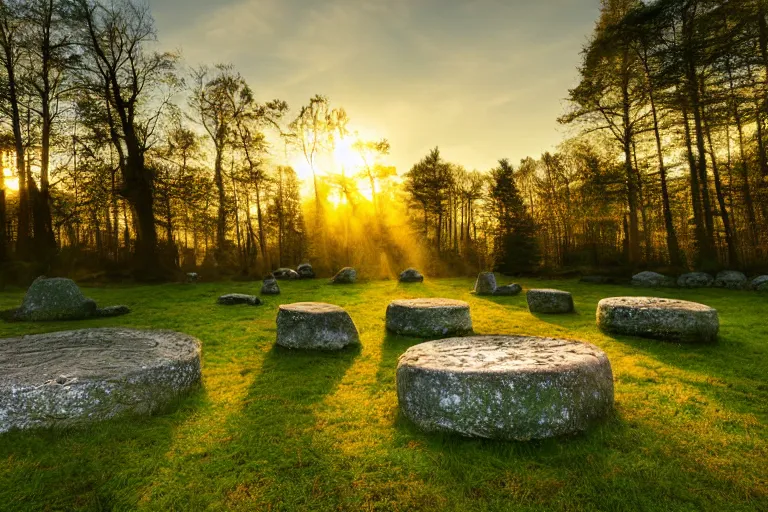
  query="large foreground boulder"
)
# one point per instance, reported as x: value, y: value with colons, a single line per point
x: 731, y: 280
x: 695, y: 280
x: 485, y: 283
x: 663, y: 319
x: 649, y: 279
x: 315, y: 326
x: 508, y: 290
x: 346, y: 275
x: 429, y: 318
x: 411, y: 275
x: 305, y: 271
x: 76, y: 377
x: 549, y: 301
x: 234, y: 299
x: 504, y: 387
x: 286, y: 273
x: 55, y: 298
x: 270, y: 286
x: 760, y: 284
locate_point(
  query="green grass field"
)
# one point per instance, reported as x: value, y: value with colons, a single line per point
x: 278, y: 430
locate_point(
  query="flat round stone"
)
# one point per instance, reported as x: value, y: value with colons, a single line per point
x: 504, y: 387
x: 658, y: 318
x: 83, y: 376
x: 428, y: 318
x: 548, y: 301
x: 315, y: 325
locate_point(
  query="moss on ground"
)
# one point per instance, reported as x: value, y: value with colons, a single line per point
x: 274, y: 429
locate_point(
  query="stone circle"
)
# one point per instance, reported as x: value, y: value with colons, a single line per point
x: 731, y: 280
x: 411, y: 275
x: 658, y: 318
x: 429, y: 318
x: 315, y: 326
x: 270, y: 286
x: 76, y: 377
x: 346, y: 275
x: 485, y: 283
x: 505, y: 387
x: 649, y: 279
x: 695, y: 280
x: 549, y: 301
x: 233, y: 299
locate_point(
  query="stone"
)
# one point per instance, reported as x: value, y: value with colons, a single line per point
x: 695, y: 280
x: 192, y: 277
x: 731, y: 280
x: 347, y: 275
x: 505, y: 387
x: 233, y: 299
x: 305, y: 271
x: 69, y: 378
x: 270, y: 286
x: 111, y: 311
x: 508, y: 290
x: 411, y: 275
x: 286, y: 273
x: 485, y: 283
x: 315, y: 326
x: 55, y: 298
x: 549, y: 301
x: 760, y: 284
x: 429, y: 318
x: 651, y: 280
x: 657, y: 318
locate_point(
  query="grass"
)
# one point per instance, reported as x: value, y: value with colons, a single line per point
x: 279, y: 430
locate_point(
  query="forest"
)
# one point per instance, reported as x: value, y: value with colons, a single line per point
x: 122, y: 161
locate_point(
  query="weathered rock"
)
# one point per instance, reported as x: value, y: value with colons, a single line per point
x: 76, y: 377
x: 429, y: 318
x: 505, y: 387
x: 111, y: 311
x: 649, y: 279
x: 347, y: 275
x: 549, y: 301
x: 286, y: 273
x: 664, y: 319
x: 485, y: 283
x: 55, y: 299
x: 315, y: 325
x: 731, y: 280
x: 233, y: 299
x: 508, y: 290
x: 411, y: 275
x: 305, y: 271
x: 192, y: 277
x: 270, y: 286
x: 760, y: 284
x: 695, y: 280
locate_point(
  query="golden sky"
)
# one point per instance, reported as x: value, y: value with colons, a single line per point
x: 482, y: 79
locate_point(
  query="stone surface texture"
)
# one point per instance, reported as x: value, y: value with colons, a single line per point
x: 695, y: 280
x: 55, y: 298
x: 286, y: 273
x: 347, y: 275
x: 429, y: 318
x: 411, y: 275
x: 549, y: 301
x: 760, y: 284
x: 70, y: 378
x: 508, y: 290
x: 658, y: 318
x: 315, y: 326
x: 270, y: 287
x: 305, y: 271
x: 649, y: 279
x: 505, y: 387
x: 731, y: 280
x: 485, y: 283
x: 233, y: 299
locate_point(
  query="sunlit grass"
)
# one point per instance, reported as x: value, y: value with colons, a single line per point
x: 280, y: 430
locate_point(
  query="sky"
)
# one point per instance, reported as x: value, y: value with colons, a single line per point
x: 481, y: 79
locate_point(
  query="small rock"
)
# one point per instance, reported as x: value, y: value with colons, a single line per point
x: 731, y: 280
x: 232, y: 299
x: 760, y: 284
x: 485, y: 283
x: 286, y: 273
x: 270, y: 286
x: 695, y: 280
x: 651, y: 280
x: 192, y: 277
x: 411, y: 275
x: 305, y: 271
x: 347, y: 275
x: 110, y: 311
x: 549, y: 301
x: 508, y: 290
